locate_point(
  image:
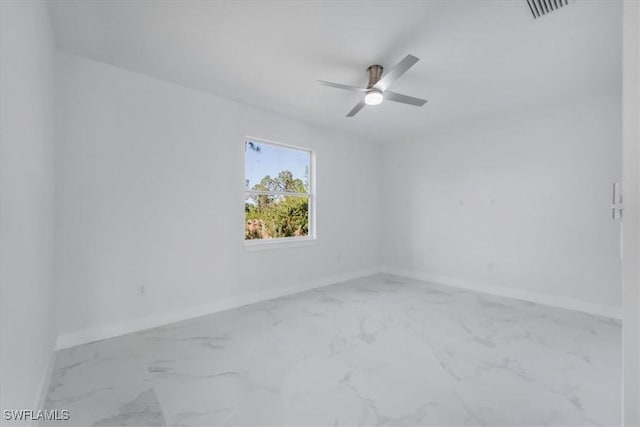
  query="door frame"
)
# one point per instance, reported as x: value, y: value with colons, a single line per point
x: 631, y: 219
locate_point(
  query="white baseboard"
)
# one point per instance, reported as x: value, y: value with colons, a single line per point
x: 530, y: 296
x: 134, y: 325
x: 44, y: 385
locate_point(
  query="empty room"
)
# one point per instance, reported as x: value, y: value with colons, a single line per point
x: 320, y: 213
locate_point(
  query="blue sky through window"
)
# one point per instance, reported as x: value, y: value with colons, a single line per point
x: 272, y: 159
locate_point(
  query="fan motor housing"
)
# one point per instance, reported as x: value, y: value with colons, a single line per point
x: 374, y: 72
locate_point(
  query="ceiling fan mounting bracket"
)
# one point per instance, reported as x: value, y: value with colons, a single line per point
x: 374, y: 72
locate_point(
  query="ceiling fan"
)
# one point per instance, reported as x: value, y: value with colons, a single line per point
x: 376, y: 91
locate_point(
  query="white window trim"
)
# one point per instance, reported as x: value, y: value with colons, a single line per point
x: 281, y: 243
x: 286, y: 242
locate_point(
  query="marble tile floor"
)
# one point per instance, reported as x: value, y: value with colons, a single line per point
x: 379, y: 351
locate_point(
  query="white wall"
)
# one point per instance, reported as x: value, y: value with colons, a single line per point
x: 26, y: 200
x: 150, y: 192
x: 631, y: 230
x: 548, y: 237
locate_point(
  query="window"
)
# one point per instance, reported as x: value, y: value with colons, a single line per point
x: 278, y: 198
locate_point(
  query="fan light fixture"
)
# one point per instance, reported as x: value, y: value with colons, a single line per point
x: 373, y: 97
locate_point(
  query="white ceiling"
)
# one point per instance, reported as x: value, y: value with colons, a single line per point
x: 477, y: 57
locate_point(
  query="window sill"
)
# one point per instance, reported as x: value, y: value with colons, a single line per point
x: 268, y: 244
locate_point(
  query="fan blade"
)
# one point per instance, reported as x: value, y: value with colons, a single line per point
x: 398, y: 97
x: 340, y: 86
x: 357, y: 108
x: 395, y: 73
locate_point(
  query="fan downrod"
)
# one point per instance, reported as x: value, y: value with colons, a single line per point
x: 374, y: 72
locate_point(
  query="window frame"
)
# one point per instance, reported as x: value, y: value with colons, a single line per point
x: 284, y: 242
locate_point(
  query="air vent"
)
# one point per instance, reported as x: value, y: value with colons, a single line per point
x: 542, y: 7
